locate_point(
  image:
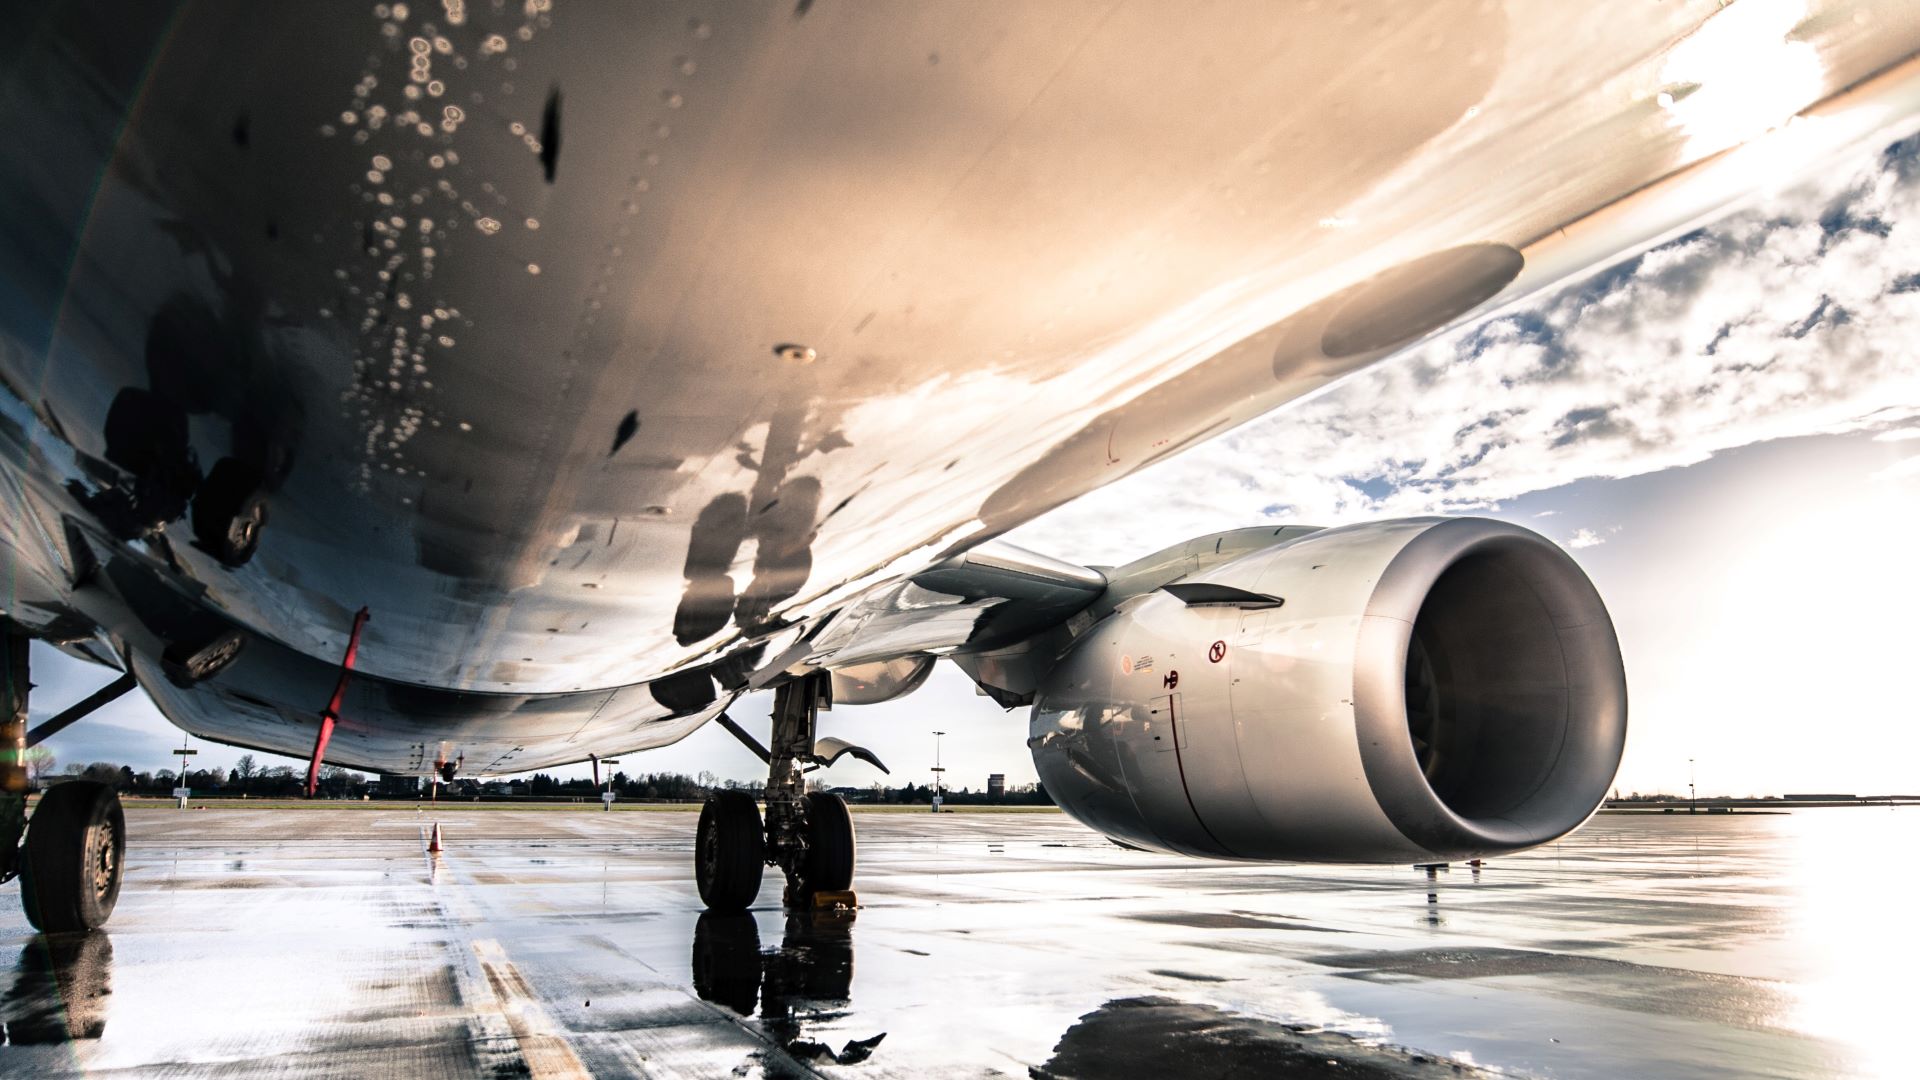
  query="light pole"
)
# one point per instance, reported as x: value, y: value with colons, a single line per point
x: 937, y: 770
x: 1691, y: 796
x: 182, y: 792
x: 606, y: 797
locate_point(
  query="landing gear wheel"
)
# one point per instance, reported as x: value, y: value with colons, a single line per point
x: 729, y: 852
x: 829, y: 844
x: 76, y: 846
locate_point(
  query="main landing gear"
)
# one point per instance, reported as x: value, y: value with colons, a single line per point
x: 808, y: 835
x: 70, y: 866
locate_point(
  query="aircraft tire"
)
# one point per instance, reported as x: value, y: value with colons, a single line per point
x: 75, y: 850
x: 729, y: 852
x: 830, y: 845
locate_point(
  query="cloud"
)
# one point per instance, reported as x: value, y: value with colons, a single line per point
x: 1898, y: 435
x: 1585, y: 538
x: 1795, y: 317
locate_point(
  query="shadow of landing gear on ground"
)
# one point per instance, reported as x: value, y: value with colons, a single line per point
x: 804, y: 981
x: 59, y: 992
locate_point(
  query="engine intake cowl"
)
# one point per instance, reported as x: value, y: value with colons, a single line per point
x: 1429, y: 688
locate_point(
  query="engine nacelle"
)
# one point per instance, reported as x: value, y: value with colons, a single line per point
x: 1426, y: 689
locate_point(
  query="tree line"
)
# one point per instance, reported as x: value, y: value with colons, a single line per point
x: 248, y: 778
x: 679, y: 787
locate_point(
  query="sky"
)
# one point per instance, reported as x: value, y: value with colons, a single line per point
x: 1725, y: 433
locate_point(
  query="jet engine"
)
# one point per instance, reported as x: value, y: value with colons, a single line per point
x: 1402, y: 691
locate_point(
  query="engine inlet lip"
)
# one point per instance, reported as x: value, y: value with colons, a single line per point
x: 1597, y: 699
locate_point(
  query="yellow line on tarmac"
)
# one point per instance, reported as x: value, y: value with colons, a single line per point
x: 546, y: 1053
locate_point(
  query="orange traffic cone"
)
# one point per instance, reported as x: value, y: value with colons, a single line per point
x: 433, y: 842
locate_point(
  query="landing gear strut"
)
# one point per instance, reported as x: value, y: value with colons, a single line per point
x: 70, y: 865
x: 809, y: 836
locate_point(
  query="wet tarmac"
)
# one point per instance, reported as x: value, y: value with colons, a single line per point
x: 328, y: 942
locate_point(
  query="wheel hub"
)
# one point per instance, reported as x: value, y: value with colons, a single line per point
x: 102, y: 864
x: 707, y: 855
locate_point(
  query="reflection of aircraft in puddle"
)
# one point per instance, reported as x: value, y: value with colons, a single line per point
x: 804, y: 981
x: 59, y: 990
x: 1157, y: 1036
x: 605, y: 438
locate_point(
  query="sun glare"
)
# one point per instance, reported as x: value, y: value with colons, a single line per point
x: 1740, y: 75
x: 1850, y: 887
x: 1815, y: 622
